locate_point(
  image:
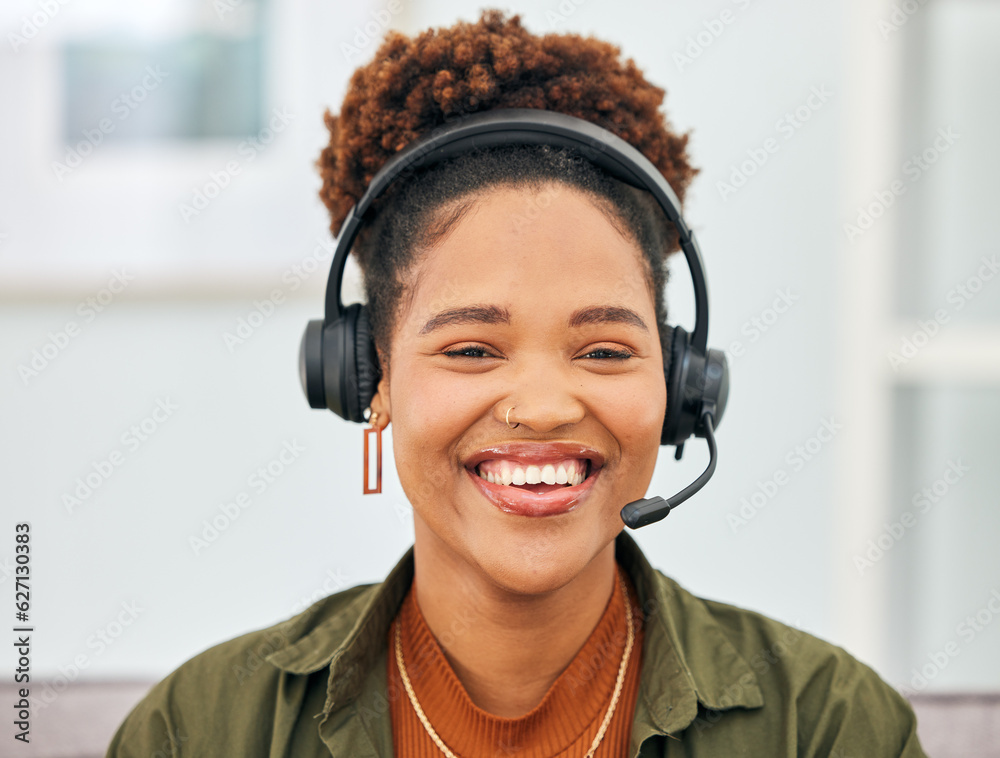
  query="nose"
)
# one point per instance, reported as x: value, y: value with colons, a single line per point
x: 542, y: 397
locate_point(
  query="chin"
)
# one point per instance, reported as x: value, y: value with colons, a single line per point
x: 535, y: 561
x: 531, y: 548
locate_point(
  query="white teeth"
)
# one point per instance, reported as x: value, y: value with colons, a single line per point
x: 576, y: 476
x: 572, y: 475
x: 569, y: 473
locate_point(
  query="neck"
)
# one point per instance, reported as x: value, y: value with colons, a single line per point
x: 506, y: 648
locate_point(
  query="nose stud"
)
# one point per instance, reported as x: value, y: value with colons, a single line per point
x: 507, y: 418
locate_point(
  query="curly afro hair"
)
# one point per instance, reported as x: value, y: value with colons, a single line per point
x: 414, y: 85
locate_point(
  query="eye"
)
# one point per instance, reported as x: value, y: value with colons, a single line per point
x: 468, y: 351
x: 605, y: 353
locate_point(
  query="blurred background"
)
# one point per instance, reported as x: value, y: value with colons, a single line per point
x: 162, y: 247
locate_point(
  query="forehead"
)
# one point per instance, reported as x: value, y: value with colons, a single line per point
x: 538, y: 249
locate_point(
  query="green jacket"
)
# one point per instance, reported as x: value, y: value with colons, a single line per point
x: 716, y: 681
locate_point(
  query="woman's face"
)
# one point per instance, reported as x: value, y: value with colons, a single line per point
x: 533, y: 300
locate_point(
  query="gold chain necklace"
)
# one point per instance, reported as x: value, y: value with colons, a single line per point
x: 607, y: 716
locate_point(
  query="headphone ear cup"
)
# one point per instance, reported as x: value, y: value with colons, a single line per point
x: 338, y: 365
x: 311, y: 364
x: 716, y: 386
x: 675, y: 370
x: 694, y: 382
x: 366, y: 365
x: 327, y: 358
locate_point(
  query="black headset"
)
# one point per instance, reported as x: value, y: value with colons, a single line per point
x: 338, y: 364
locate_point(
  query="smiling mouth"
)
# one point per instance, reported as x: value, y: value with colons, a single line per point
x: 538, y: 478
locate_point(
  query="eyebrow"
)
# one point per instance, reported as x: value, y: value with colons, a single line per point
x: 607, y: 314
x: 472, y: 314
x: 493, y: 314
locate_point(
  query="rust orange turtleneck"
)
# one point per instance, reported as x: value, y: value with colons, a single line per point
x: 564, y: 723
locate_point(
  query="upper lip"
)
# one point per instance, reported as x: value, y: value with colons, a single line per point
x: 536, y: 452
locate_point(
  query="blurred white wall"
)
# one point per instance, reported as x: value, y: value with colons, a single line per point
x: 736, y: 74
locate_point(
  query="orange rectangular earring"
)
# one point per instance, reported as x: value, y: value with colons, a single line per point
x: 377, y: 431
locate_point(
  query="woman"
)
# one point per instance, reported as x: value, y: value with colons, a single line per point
x: 516, y: 299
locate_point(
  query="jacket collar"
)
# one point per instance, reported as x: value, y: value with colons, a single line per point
x: 695, y: 663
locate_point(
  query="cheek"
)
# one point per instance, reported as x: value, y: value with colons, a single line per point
x: 430, y: 413
x: 635, y: 418
x: 433, y: 404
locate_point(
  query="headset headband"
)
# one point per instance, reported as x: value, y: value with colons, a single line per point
x: 526, y: 126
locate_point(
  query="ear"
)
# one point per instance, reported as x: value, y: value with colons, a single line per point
x: 380, y: 401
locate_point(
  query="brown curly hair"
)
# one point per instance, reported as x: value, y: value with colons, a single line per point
x: 414, y: 85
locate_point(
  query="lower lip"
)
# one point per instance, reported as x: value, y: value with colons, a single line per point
x: 520, y: 502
